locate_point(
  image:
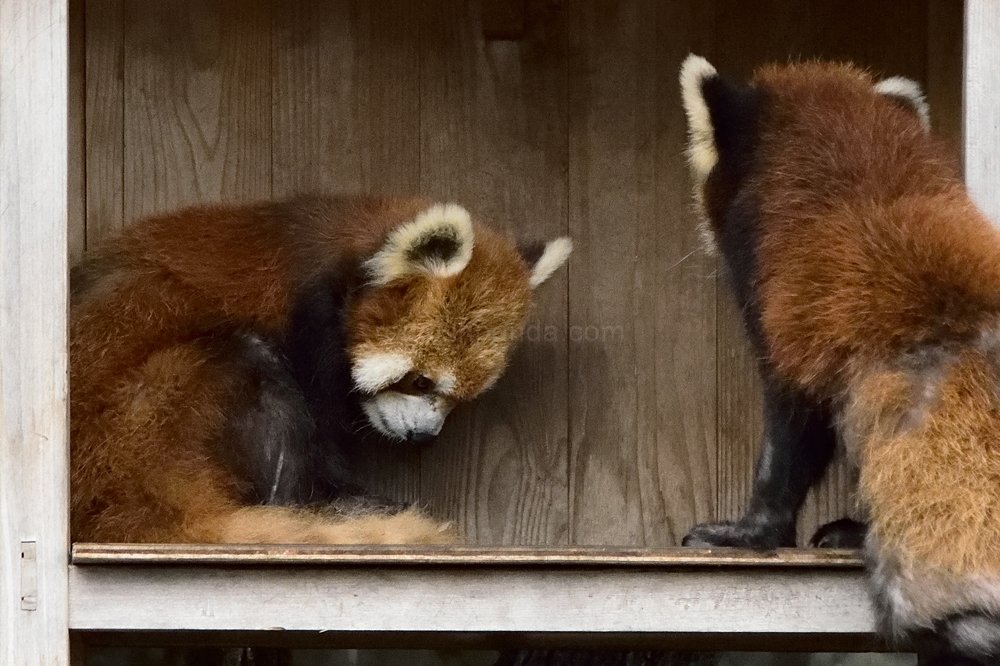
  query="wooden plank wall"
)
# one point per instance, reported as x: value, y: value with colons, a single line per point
x: 631, y: 409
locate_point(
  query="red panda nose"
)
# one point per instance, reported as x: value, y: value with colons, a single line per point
x: 418, y: 437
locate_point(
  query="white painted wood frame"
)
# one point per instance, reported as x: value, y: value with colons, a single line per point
x: 34, y: 459
x: 470, y: 599
x: 980, y: 107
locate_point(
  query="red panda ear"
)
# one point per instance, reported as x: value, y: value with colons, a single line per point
x: 701, y: 151
x: 438, y: 242
x: 544, y: 259
x: 906, y: 93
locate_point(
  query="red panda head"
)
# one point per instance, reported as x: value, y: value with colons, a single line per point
x: 446, y: 299
x: 807, y: 119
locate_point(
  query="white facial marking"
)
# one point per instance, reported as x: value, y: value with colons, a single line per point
x: 445, y: 383
x: 556, y: 253
x: 908, y: 92
x: 378, y: 371
x: 402, y: 416
x: 396, y: 260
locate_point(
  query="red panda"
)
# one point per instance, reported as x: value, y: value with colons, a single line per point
x: 225, y: 361
x: 870, y: 288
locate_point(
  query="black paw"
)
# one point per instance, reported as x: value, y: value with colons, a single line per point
x: 740, y: 534
x: 843, y: 533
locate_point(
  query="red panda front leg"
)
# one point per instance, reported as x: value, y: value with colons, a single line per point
x: 799, y: 441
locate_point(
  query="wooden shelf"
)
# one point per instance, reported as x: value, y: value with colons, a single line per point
x: 84, y: 554
x: 467, y: 590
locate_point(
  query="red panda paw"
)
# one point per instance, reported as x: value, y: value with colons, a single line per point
x: 843, y: 533
x: 754, y: 535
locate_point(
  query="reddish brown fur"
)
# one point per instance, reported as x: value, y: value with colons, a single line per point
x: 879, y: 291
x: 485, y: 304
x: 854, y: 185
x: 146, y: 402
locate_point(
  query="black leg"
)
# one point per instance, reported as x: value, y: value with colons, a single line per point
x: 799, y: 441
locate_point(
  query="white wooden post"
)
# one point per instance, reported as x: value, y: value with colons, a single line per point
x: 981, y: 108
x: 34, y: 453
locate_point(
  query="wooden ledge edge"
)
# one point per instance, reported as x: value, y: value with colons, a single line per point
x: 516, y: 556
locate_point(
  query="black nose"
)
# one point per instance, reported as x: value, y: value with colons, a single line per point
x: 419, y: 437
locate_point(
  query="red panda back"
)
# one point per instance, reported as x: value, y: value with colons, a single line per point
x: 871, y: 246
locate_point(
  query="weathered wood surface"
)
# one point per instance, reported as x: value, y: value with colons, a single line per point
x: 631, y: 409
x: 469, y: 599
x: 530, y: 556
x: 981, y: 115
x: 34, y: 460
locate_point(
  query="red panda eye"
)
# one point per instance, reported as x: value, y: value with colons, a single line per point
x: 422, y: 384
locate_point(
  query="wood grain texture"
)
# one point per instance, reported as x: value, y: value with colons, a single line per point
x: 611, y: 194
x: 469, y: 599
x: 980, y: 114
x: 504, y: 19
x: 675, y: 304
x: 197, y: 123
x: 506, y: 556
x: 34, y: 209
x: 631, y: 409
x: 105, y: 114
x: 346, y: 118
x: 944, y: 69
x: 76, y: 133
x: 493, y: 135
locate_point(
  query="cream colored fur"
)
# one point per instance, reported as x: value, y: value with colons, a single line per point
x: 701, y: 151
x: 394, y: 260
x: 909, y: 92
x: 274, y: 524
x: 556, y: 253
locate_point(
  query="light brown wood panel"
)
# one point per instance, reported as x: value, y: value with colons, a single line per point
x: 197, y: 123
x: 631, y: 409
x: 105, y: 115
x: 77, y: 130
x: 346, y: 118
x: 346, y: 97
x: 493, y: 136
x: 611, y: 194
x: 675, y: 296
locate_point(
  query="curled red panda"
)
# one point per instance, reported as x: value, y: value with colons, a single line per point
x: 870, y: 288
x: 224, y: 361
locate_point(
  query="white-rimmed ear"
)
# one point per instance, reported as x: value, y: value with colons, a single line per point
x: 438, y: 243
x: 701, y: 151
x: 908, y: 93
x: 545, y: 259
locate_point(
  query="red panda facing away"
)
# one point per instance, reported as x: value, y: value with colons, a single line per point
x: 870, y: 287
x: 225, y: 361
